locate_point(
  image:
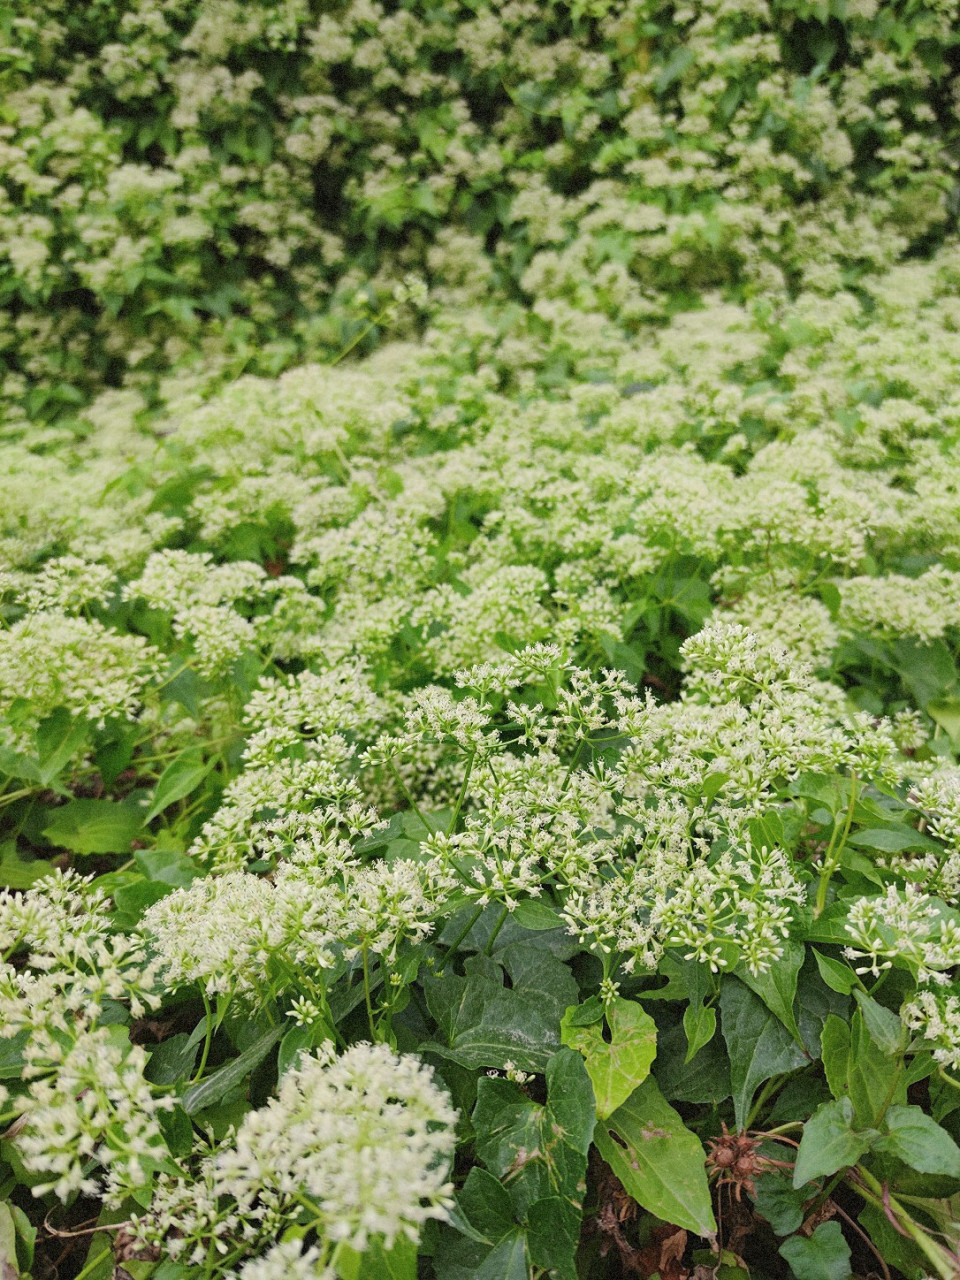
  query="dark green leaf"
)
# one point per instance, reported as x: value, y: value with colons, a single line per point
x: 486, y: 1205
x: 777, y: 987
x: 538, y: 1150
x: 508, y: 1261
x: 553, y: 1234
x: 485, y: 1024
x: 705, y: 1078
x: 823, y: 1256
x: 208, y: 1092
x: 172, y: 1060
x: 758, y: 1043
x: 778, y: 1203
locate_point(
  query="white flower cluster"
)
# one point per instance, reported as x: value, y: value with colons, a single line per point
x: 88, y: 1106
x: 904, y: 924
x: 358, y: 1145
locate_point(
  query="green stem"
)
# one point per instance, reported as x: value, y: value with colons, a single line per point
x: 784, y: 1128
x: 466, y: 929
x: 573, y: 764
x: 496, y: 930
x: 872, y: 1190
x: 462, y: 796
x: 831, y: 857
x: 891, y: 1094
x: 96, y: 1262
x: 407, y: 795
x: 366, y: 992
x: 17, y: 795
x: 360, y: 336
x: 207, y: 1039
x: 768, y: 1089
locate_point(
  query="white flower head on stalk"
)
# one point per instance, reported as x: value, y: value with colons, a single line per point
x: 88, y: 1102
x: 903, y: 924
x: 935, y: 1016
x: 365, y: 1138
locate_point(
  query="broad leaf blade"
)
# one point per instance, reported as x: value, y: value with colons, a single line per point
x: 658, y: 1160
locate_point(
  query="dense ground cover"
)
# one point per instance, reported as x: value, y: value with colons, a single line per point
x: 490, y: 809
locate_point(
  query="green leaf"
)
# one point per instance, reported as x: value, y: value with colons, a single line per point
x: 706, y: 1078
x: 892, y: 839
x: 166, y: 866
x: 616, y: 1066
x: 534, y: 914
x: 208, y: 1092
x: 823, y: 1256
x: 835, y: 1051
x: 172, y: 1060
x: 886, y: 1030
x: 132, y: 900
x: 12, y: 1061
x: 916, y: 1139
x: 179, y: 779
x: 539, y: 1150
x: 946, y: 712
x: 758, y: 1043
x: 58, y: 739
x: 20, y: 873
x: 8, y: 1242
x: 896, y: 1250
x: 777, y: 987
x: 778, y: 1203
x: 553, y: 1235
x: 830, y: 1142
x: 700, y: 1026
x: 485, y: 1203
x: 538, y: 976
x: 376, y: 1262
x: 584, y: 1015
x: 508, y: 1261
x: 296, y: 1041
x: 838, y: 976
x: 928, y: 670
x: 658, y: 1160
x: 94, y: 826
x: 485, y: 1024
x: 874, y: 1078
